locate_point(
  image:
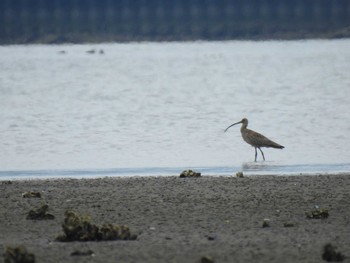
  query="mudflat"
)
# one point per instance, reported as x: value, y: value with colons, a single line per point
x: 183, y: 219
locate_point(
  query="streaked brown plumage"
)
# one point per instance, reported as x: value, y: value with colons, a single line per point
x: 255, y: 139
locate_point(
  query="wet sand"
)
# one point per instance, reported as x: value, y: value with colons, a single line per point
x: 183, y: 219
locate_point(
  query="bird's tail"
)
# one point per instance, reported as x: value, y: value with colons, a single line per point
x: 280, y: 147
x: 277, y: 146
x: 274, y: 145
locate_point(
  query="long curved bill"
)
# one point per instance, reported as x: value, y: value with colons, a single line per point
x: 232, y: 125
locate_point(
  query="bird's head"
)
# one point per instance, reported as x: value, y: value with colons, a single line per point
x: 244, y: 121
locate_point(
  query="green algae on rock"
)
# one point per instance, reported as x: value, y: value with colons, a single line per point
x: 239, y: 174
x: 79, y: 228
x: 318, y: 213
x: 190, y: 173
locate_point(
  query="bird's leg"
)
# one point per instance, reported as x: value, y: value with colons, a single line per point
x: 261, y: 153
x: 256, y: 154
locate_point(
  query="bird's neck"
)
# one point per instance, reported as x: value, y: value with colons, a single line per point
x: 244, y: 126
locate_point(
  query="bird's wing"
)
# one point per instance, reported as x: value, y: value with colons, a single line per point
x: 258, y: 140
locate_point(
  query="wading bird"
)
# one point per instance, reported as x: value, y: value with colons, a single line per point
x: 255, y: 139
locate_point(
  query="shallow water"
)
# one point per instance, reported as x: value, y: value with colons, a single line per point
x: 157, y: 108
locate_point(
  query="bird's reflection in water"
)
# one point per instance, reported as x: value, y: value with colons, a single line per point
x: 254, y: 166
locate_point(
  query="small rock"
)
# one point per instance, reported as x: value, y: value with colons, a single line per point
x: 6, y: 182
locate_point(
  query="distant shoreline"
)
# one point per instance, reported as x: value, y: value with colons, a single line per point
x: 93, y: 39
x: 54, y: 22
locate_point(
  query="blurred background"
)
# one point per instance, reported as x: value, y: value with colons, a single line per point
x: 77, y: 21
x: 104, y: 87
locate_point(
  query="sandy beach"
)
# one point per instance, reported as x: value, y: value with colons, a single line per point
x: 183, y: 219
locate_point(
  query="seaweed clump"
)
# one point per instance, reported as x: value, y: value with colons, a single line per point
x: 40, y: 214
x: 18, y: 255
x: 318, y: 213
x: 80, y: 228
x: 331, y: 255
x: 190, y: 173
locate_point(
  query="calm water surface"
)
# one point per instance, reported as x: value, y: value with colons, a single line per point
x: 158, y: 108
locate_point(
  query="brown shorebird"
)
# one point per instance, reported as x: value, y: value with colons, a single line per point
x: 255, y: 139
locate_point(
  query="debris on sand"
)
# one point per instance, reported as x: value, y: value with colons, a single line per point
x: 91, y: 51
x: 239, y: 174
x: 207, y: 259
x: 79, y: 228
x: 330, y: 255
x: 18, y: 255
x: 288, y: 224
x: 190, y: 173
x: 114, y: 232
x: 82, y: 253
x: 6, y: 182
x: 211, y: 237
x: 318, y: 213
x: 40, y: 214
x: 31, y: 195
x: 266, y: 223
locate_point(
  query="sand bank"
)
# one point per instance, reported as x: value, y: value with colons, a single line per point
x: 183, y: 219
